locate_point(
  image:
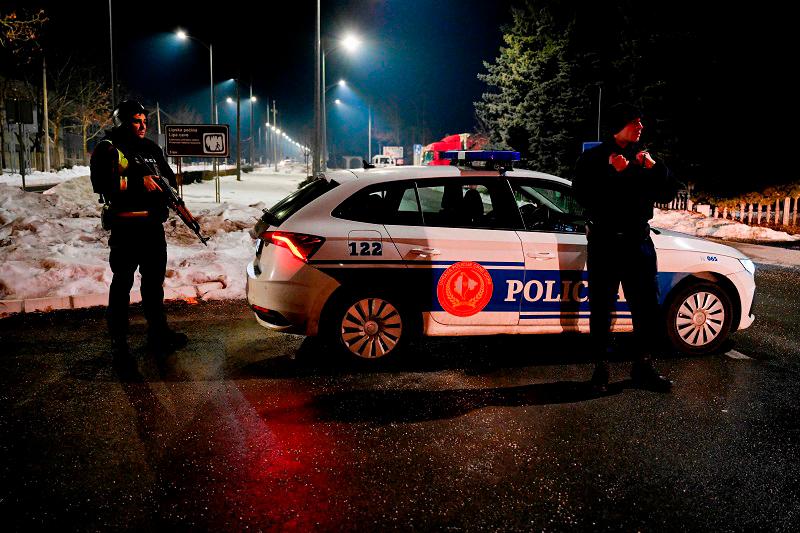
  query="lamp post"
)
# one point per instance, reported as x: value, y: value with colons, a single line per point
x: 340, y: 83
x: 369, y: 120
x: 252, y: 139
x: 317, y: 98
x: 350, y: 43
x: 182, y: 35
x: 274, y: 127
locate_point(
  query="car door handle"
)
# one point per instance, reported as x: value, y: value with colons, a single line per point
x: 541, y: 256
x: 425, y: 252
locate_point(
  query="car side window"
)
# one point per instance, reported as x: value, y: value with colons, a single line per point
x: 392, y: 203
x: 467, y: 203
x: 548, y: 206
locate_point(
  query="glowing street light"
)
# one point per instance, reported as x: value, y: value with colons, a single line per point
x: 350, y: 43
x: 183, y: 36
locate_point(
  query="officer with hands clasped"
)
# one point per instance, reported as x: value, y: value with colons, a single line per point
x: 618, y: 182
x: 123, y: 171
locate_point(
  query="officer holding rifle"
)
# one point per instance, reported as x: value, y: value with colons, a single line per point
x: 131, y: 173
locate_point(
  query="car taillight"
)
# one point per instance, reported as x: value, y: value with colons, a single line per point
x: 301, y: 246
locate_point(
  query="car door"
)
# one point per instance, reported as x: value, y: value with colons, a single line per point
x: 554, y: 296
x: 463, y: 251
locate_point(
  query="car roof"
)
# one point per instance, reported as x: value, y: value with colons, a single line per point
x: 380, y: 175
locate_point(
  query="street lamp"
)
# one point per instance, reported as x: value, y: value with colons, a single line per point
x: 252, y: 100
x: 350, y: 43
x: 369, y: 126
x: 182, y: 35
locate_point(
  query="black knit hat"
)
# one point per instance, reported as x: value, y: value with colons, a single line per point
x: 619, y: 115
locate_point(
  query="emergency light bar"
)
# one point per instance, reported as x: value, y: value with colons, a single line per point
x: 469, y: 156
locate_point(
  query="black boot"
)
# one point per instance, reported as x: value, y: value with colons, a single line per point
x: 645, y: 376
x: 599, y: 381
x: 165, y: 341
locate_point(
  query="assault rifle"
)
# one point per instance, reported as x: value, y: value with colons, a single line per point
x: 174, y: 201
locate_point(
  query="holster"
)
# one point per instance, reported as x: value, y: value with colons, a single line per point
x: 106, y: 217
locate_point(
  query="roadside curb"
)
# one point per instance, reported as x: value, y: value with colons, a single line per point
x: 82, y: 301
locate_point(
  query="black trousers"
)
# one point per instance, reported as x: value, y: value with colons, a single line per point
x: 137, y: 243
x: 631, y: 261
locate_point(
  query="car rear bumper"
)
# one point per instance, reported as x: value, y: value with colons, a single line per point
x: 290, y: 305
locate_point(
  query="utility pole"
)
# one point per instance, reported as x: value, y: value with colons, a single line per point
x: 599, y: 102
x: 46, y: 120
x: 238, y: 135
x: 111, y: 46
x: 274, y: 135
x: 369, y: 133
x: 317, y: 97
x: 252, y: 110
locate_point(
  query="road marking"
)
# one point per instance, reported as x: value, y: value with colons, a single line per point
x: 733, y: 354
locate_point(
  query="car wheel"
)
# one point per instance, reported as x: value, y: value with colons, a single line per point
x: 699, y: 318
x: 370, y: 327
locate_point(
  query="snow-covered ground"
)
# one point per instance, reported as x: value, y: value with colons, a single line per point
x: 43, y: 178
x: 703, y: 226
x: 52, y: 178
x: 51, y: 244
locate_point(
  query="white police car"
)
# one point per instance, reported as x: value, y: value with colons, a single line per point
x: 372, y: 257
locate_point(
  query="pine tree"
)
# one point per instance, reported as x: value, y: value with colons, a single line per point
x: 535, y: 106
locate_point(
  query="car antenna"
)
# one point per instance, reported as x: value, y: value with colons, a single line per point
x: 366, y: 165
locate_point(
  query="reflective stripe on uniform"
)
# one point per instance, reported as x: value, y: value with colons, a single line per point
x: 122, y: 166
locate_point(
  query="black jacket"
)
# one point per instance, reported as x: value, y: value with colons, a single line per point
x: 119, y: 177
x: 621, y: 201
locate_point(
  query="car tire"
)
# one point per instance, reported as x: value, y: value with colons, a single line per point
x: 699, y: 318
x: 369, y: 327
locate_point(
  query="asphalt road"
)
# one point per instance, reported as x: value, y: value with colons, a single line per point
x: 245, y: 429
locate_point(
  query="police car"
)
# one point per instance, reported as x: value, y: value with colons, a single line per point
x: 373, y: 257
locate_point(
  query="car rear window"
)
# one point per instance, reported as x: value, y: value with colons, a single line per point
x: 290, y: 205
x: 392, y: 204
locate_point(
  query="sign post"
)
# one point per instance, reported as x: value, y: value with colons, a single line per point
x: 198, y: 140
x: 20, y: 113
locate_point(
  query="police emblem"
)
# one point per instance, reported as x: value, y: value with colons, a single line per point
x: 464, y: 289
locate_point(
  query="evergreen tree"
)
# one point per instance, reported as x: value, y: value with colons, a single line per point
x: 708, y: 78
x: 536, y: 107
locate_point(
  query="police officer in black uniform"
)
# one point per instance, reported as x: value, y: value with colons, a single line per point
x: 618, y: 182
x: 123, y: 168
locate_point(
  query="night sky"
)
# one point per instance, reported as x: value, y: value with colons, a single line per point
x: 419, y: 57
x: 419, y: 60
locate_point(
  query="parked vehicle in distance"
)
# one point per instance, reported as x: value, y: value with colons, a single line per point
x: 432, y: 154
x: 381, y: 161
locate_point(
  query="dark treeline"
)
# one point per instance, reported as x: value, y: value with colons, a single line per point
x: 711, y: 81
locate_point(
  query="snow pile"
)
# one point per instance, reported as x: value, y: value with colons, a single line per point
x: 703, y: 226
x: 47, y: 248
x: 44, y: 178
x: 52, y: 244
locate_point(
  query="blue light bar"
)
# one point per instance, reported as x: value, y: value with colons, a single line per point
x: 481, y: 155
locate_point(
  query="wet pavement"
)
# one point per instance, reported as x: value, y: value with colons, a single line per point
x: 248, y: 429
